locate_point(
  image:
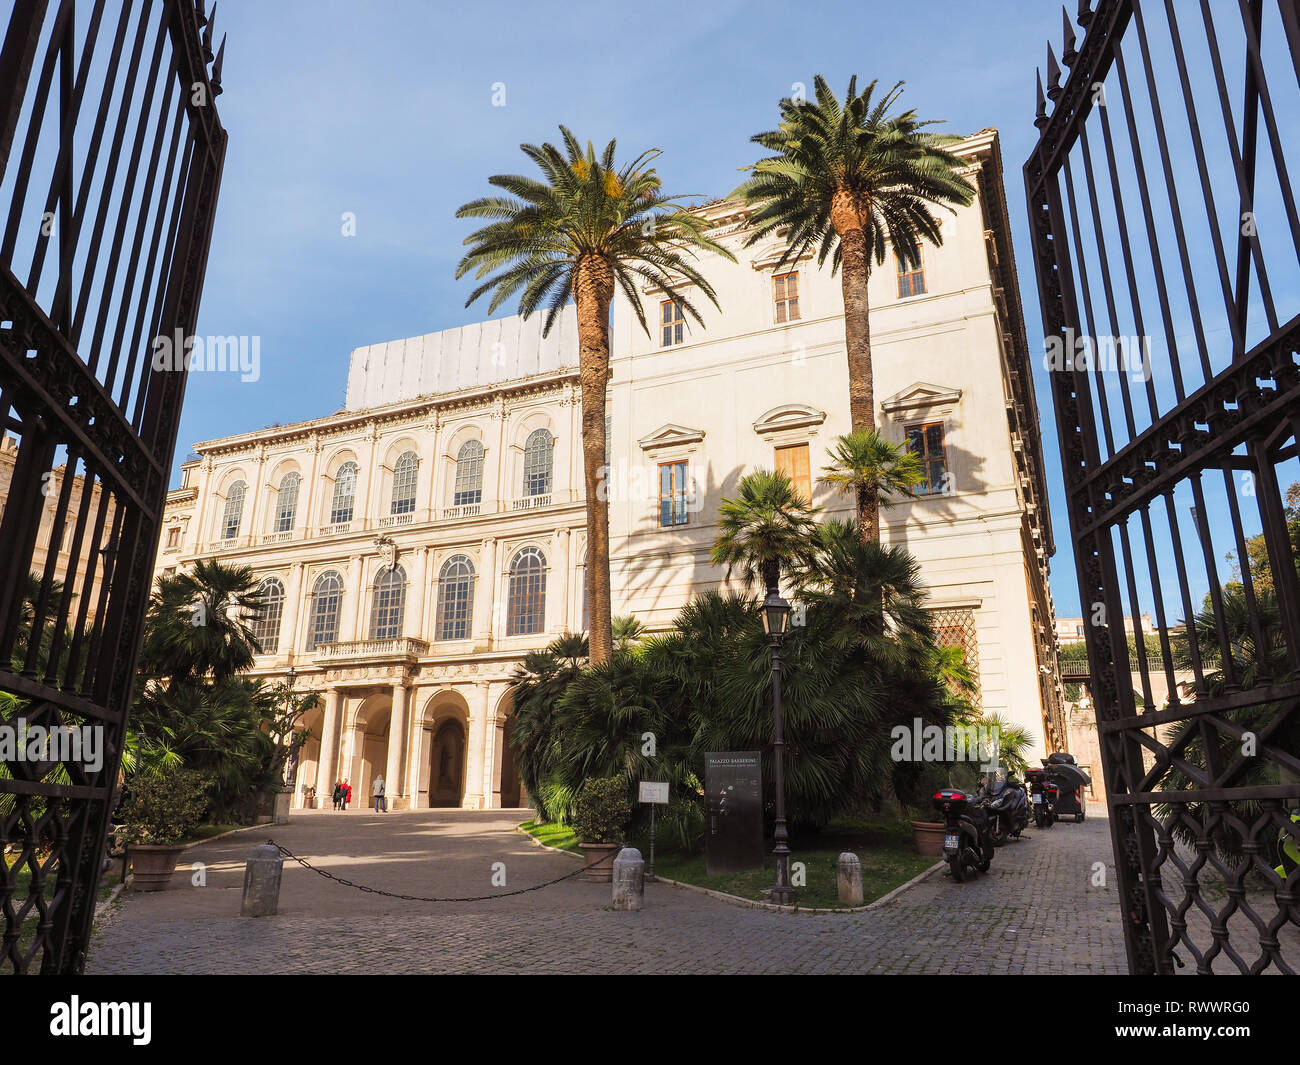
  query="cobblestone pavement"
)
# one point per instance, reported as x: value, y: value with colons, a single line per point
x: 1034, y: 912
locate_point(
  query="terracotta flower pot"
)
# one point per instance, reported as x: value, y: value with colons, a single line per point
x: 153, y: 865
x: 928, y: 837
x: 600, y: 861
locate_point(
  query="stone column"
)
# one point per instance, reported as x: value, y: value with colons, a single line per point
x: 304, y: 521
x: 256, y: 490
x: 557, y: 584
x: 395, y: 786
x: 484, y: 583
x: 477, y: 739
x: 417, y: 570
x: 414, y: 728
x: 355, y: 589
x: 293, y: 606
x: 327, y: 770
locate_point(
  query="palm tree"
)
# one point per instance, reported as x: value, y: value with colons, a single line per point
x: 849, y: 178
x: 766, y: 528
x: 199, y: 623
x: 873, y: 469
x: 628, y: 631
x: 585, y: 228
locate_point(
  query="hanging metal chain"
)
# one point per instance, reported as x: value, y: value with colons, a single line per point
x: 421, y: 898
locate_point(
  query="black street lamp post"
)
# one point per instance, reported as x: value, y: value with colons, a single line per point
x: 776, y: 615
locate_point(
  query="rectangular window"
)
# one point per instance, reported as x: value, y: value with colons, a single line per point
x: 792, y: 460
x: 673, y: 322
x: 174, y: 537
x: 785, y: 291
x: 911, y: 280
x: 926, y: 443
x: 673, y: 491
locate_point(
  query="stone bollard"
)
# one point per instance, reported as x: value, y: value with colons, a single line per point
x: 629, y: 879
x: 262, y: 883
x: 848, y: 878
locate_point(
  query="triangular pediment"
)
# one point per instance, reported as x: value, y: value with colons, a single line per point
x: 789, y: 416
x: 920, y: 395
x: 671, y: 435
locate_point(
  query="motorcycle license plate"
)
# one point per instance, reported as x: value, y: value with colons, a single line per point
x: 1038, y: 798
x: 951, y: 843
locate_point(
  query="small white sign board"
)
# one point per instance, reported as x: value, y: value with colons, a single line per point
x: 651, y: 791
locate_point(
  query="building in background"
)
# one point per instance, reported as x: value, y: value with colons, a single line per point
x: 417, y: 544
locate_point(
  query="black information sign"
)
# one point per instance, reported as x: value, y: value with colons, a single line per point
x: 733, y: 809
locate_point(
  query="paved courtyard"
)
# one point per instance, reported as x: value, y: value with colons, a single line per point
x: 1035, y: 911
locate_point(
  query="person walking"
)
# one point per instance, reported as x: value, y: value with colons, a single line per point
x: 347, y: 794
x: 377, y: 793
x: 338, y: 794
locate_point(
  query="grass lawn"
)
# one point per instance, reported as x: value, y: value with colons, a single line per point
x: 553, y: 835
x: 884, y: 848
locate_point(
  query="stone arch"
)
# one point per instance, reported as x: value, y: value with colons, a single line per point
x: 509, y: 792
x: 309, y: 758
x: 443, y: 746
x: 365, y: 744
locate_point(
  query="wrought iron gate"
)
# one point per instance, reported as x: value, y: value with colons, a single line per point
x: 111, y: 153
x: 1167, y: 248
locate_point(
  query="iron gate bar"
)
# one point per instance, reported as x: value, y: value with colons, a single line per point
x: 1178, y: 794
x: 108, y: 414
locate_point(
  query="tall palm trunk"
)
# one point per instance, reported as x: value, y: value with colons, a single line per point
x: 593, y: 290
x: 855, y: 270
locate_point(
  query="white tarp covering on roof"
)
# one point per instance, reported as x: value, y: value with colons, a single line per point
x: 483, y: 353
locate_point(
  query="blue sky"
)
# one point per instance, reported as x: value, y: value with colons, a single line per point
x: 384, y: 109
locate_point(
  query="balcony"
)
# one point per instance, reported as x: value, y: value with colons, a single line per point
x: 531, y: 502
x: 404, y: 647
x: 465, y: 510
x: 277, y: 537
x: 394, y: 520
x: 336, y: 529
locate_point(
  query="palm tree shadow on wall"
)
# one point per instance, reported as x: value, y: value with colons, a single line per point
x: 913, y: 519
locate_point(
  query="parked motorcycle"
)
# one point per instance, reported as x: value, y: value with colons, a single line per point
x: 1007, y: 806
x: 1044, y: 794
x: 1064, y: 772
x: 966, y: 840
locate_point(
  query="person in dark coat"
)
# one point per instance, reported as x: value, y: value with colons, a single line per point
x: 338, y: 795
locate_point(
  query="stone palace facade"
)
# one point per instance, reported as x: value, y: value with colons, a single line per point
x: 415, y: 545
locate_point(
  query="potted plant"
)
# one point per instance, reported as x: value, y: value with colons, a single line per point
x: 160, y: 813
x: 600, y: 812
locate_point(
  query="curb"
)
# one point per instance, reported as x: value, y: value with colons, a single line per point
x: 102, y: 907
x: 545, y: 846
x: 223, y: 835
x: 756, y: 904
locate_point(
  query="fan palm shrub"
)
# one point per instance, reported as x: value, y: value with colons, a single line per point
x: 873, y: 470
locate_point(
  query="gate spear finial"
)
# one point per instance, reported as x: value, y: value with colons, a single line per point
x: 1069, y: 54
x: 1040, y: 116
x: 1053, y: 75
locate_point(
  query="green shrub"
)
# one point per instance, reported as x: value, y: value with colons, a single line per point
x: 601, y: 811
x: 165, y: 809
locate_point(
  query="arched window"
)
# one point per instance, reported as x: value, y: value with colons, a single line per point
x: 389, y: 605
x: 404, y: 474
x: 469, y: 474
x: 267, y: 627
x: 527, y: 597
x: 286, y: 502
x: 326, y: 604
x: 455, y: 598
x: 234, y: 511
x: 537, y: 463
x: 345, y: 494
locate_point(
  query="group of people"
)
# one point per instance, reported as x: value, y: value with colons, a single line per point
x: 343, y: 794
